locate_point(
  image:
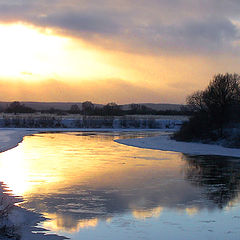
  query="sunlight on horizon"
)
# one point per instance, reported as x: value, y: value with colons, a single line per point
x: 32, y: 54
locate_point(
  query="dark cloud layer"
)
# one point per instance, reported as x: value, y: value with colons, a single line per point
x: 157, y: 26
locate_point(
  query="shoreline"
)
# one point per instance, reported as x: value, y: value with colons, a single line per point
x: 164, y: 143
x: 11, y: 137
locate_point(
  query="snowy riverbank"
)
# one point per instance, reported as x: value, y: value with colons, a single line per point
x: 164, y: 143
x: 10, y: 137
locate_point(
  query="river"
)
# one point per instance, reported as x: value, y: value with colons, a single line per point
x: 90, y: 187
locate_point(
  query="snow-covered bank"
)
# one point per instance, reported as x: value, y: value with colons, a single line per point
x: 164, y: 143
x: 9, y: 138
x: 19, y: 223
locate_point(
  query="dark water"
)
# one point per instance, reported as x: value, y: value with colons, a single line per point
x: 93, y: 188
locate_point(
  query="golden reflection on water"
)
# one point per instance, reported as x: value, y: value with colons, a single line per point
x: 90, y: 170
x: 15, y: 173
x: 22, y: 174
x: 50, y: 163
x: 67, y: 224
x: 192, y: 211
x: 48, y: 166
x: 142, y: 214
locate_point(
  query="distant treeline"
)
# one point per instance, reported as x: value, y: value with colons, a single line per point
x: 89, y: 109
x: 116, y: 122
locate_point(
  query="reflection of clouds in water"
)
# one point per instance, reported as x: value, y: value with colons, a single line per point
x: 192, y: 211
x: 233, y: 203
x: 142, y: 214
x: 73, y: 211
x: 156, y: 212
x: 67, y: 223
x: 71, y: 224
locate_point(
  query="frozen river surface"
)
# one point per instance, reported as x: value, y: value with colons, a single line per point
x: 92, y: 188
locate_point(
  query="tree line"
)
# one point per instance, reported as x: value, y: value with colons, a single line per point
x: 89, y: 109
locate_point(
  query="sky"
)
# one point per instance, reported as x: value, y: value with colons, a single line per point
x: 119, y: 51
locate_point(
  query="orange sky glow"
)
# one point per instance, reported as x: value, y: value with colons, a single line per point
x: 59, y: 62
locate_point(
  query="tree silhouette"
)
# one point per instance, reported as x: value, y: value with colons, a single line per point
x: 214, y: 109
x: 17, y: 107
x: 74, y: 109
x: 87, y: 107
x: 112, y: 109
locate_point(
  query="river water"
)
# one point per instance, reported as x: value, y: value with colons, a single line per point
x: 91, y: 188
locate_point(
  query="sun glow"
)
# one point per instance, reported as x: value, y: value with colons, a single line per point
x: 29, y: 53
x: 16, y: 172
x: 85, y: 70
x: 25, y: 51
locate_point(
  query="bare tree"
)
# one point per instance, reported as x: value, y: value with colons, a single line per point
x: 215, y: 107
x: 195, y: 101
x: 87, y: 107
x: 74, y: 109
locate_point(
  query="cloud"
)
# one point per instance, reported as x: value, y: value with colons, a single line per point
x: 72, y: 21
x: 209, y: 35
x: 154, y: 26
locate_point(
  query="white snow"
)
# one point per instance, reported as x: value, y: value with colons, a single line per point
x: 9, y: 138
x: 164, y: 143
